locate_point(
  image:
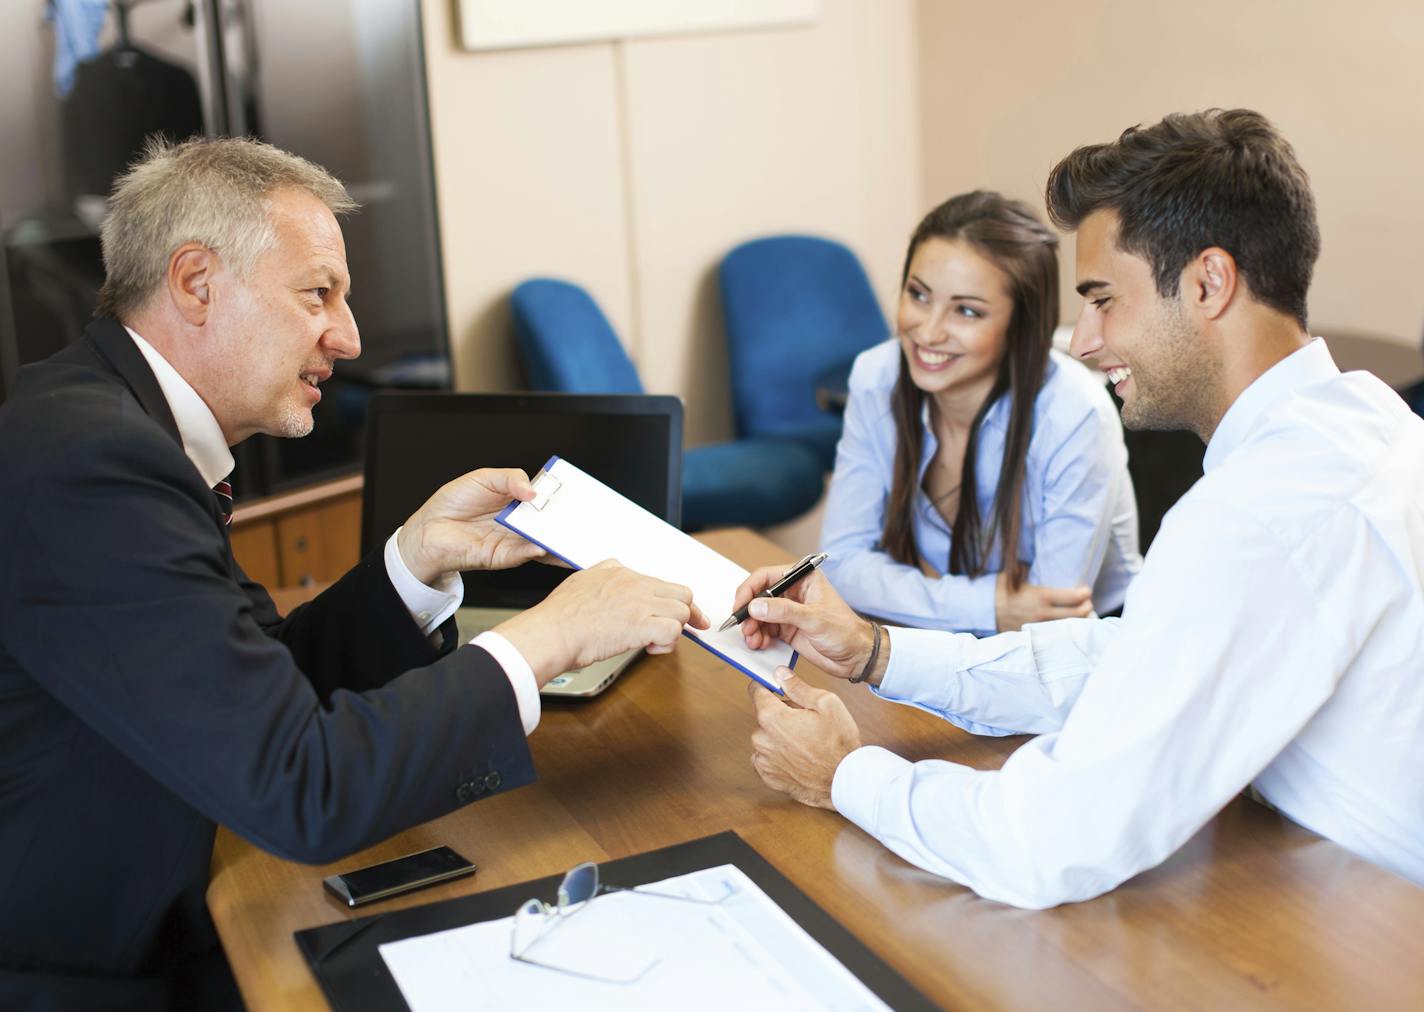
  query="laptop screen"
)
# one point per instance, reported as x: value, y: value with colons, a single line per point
x: 415, y: 442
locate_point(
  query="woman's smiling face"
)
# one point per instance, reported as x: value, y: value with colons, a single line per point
x: 953, y: 318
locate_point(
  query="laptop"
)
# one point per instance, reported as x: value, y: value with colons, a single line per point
x: 416, y: 442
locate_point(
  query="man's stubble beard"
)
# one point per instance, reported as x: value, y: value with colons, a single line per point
x: 1173, y: 393
x: 296, y: 424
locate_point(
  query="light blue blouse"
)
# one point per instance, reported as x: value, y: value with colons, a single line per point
x: 1079, y: 517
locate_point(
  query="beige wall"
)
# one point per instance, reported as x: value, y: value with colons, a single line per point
x: 630, y: 167
x: 1009, y: 87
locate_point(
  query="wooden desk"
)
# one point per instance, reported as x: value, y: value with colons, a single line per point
x: 1254, y: 910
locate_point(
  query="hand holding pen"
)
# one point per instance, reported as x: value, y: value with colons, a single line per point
x: 793, y: 576
x: 810, y: 617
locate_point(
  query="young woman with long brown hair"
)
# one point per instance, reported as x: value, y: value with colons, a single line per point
x: 969, y: 396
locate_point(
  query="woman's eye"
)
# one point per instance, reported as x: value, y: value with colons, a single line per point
x: 919, y: 295
x: 970, y: 312
x: 1100, y: 303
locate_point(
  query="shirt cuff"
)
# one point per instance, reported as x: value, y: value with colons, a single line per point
x: 520, y: 675
x: 428, y: 606
x: 922, y: 662
x: 981, y: 614
x: 954, y: 674
x: 859, y: 781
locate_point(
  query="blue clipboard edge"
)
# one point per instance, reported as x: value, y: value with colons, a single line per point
x: 750, y: 674
x: 503, y: 516
x: 503, y: 520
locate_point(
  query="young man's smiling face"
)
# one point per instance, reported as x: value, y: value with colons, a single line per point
x: 1148, y: 345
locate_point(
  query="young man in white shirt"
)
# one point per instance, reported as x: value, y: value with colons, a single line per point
x: 1275, y: 636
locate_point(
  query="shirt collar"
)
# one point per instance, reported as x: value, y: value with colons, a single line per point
x: 1301, y: 368
x: 203, y: 441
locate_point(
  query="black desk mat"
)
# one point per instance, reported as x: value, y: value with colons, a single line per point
x: 353, y: 976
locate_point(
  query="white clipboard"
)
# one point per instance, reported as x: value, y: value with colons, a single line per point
x: 582, y: 521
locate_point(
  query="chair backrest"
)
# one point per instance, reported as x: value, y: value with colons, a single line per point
x: 566, y: 342
x: 1396, y: 362
x: 796, y: 307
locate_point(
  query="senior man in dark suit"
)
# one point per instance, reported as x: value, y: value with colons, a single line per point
x: 148, y: 688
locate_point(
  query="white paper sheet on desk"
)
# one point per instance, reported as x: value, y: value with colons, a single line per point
x: 583, y: 521
x: 743, y: 953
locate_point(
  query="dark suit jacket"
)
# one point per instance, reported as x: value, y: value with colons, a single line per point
x: 148, y: 690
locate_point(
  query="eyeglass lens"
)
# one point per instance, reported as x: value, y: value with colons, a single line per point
x: 579, y: 885
x: 528, y: 923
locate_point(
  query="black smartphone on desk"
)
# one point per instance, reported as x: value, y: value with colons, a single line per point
x: 402, y: 875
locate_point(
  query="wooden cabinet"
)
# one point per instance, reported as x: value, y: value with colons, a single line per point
x: 319, y: 543
x: 254, y: 544
x: 309, y: 536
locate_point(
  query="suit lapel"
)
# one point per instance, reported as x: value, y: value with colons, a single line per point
x: 117, y: 348
x: 119, y: 351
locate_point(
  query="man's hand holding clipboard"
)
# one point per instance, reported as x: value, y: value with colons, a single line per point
x: 579, y: 519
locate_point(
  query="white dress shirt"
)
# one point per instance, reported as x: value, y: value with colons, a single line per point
x: 1274, y: 637
x: 1078, y: 514
x: 205, y: 445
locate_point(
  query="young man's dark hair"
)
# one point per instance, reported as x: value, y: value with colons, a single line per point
x: 1216, y: 178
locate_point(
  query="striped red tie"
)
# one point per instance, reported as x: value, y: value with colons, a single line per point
x: 223, y: 490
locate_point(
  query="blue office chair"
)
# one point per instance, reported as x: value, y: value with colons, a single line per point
x: 567, y: 345
x: 566, y: 342
x: 798, y: 310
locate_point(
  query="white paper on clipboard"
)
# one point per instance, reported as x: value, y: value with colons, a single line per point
x: 581, y: 520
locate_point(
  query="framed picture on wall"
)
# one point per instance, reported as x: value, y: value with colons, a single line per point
x: 513, y: 24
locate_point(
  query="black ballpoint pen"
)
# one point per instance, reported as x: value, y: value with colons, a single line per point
x: 793, y: 576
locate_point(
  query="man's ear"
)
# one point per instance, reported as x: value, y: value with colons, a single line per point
x: 191, y: 269
x: 1209, y: 282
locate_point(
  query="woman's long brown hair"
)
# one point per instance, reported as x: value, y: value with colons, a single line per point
x: 1020, y: 245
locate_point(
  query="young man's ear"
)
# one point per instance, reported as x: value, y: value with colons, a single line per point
x: 190, y: 273
x: 1209, y: 282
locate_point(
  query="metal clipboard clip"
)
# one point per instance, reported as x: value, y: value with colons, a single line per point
x: 546, y: 486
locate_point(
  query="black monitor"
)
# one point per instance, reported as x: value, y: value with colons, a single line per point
x: 416, y: 442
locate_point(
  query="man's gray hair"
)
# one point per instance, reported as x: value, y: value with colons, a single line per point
x: 210, y: 191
